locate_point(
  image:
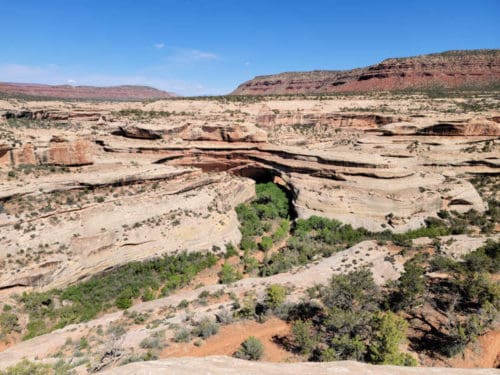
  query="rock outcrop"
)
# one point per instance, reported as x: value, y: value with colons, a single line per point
x: 58, y: 151
x: 452, y: 69
x: 478, y: 127
x: 137, y: 132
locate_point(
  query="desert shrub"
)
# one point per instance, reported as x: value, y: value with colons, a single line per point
x: 460, y: 334
x: 282, y: 230
x: 355, y: 290
x: 224, y: 317
x: 124, y: 299
x: 247, y: 243
x: 155, y: 341
x: 250, y: 349
x: 9, y: 322
x: 304, y: 336
x: 346, y: 347
x: 230, y: 251
x: 148, y: 295
x: 411, y: 285
x: 206, y: 328
x: 266, y: 243
x: 275, y: 295
x: 250, y: 263
x: 228, y: 274
x: 484, y: 259
x: 248, y: 308
x: 389, y: 333
x: 249, y: 220
x: 182, y: 335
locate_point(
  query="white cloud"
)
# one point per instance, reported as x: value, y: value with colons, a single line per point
x: 159, y: 45
x: 71, y: 81
x: 200, y: 55
x: 189, y: 55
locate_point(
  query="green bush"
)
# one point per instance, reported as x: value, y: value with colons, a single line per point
x: 389, y: 333
x: 303, y: 336
x: 411, y: 285
x: 124, y: 299
x: 282, y: 231
x: 275, y: 295
x: 266, y: 243
x: 250, y: 349
x: 250, y: 263
x: 228, y: 274
x: 230, y: 251
x: 353, y: 291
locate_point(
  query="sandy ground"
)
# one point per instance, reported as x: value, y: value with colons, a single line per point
x: 229, y: 338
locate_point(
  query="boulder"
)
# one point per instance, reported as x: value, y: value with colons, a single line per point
x: 134, y: 131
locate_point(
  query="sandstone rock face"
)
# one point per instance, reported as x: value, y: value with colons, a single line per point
x: 25, y: 155
x: 69, y: 153
x: 5, y: 158
x: 58, y: 151
x: 449, y: 69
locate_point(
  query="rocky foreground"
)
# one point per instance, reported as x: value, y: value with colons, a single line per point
x: 452, y: 69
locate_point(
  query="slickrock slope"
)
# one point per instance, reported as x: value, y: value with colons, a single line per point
x: 218, y: 365
x: 102, y: 232
x: 82, y: 92
x: 452, y: 69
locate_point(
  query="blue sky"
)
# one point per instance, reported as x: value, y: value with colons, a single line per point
x: 196, y: 47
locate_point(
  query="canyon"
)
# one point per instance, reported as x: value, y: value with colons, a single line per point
x: 88, y: 187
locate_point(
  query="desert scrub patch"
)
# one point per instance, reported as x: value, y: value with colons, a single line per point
x: 119, y: 287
